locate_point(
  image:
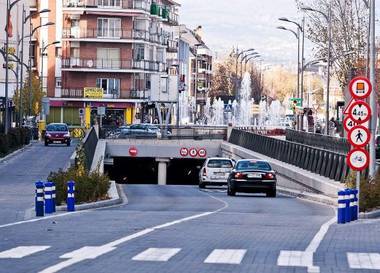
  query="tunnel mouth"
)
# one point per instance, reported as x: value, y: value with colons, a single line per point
x: 144, y: 170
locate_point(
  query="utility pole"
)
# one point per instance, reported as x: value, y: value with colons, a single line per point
x: 329, y: 70
x: 6, y: 114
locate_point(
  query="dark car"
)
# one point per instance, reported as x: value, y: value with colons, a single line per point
x: 57, y: 133
x: 140, y: 130
x: 252, y: 176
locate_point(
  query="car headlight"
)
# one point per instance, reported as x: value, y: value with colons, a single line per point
x: 67, y: 135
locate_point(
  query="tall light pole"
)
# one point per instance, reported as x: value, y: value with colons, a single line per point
x: 253, y: 53
x: 328, y: 18
x: 237, y: 55
x: 250, y: 58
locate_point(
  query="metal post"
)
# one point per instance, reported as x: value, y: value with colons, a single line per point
x: 327, y: 131
x: 298, y: 74
x: 302, y: 67
x: 358, y: 176
x: 6, y: 71
x: 22, y: 65
x: 196, y: 84
x: 30, y: 68
x: 372, y: 98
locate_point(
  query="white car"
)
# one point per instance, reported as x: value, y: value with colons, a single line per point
x: 215, y: 171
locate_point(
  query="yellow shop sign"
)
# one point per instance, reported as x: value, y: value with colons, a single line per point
x: 93, y: 92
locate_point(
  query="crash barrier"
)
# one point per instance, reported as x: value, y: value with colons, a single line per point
x: 347, y: 206
x: 266, y: 131
x: 340, y: 145
x: 89, y: 146
x: 325, y: 163
x: 45, y: 196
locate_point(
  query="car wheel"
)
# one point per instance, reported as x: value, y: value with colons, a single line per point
x: 46, y: 143
x: 230, y: 192
x: 68, y: 143
x: 272, y: 193
x: 202, y: 186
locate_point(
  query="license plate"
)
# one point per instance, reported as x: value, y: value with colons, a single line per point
x: 254, y: 175
x: 57, y: 142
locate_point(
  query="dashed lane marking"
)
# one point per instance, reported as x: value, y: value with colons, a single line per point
x: 226, y: 256
x: 21, y: 251
x: 364, y: 260
x: 156, y: 254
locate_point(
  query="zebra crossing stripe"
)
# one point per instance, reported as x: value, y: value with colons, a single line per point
x: 364, y: 260
x: 21, y: 252
x: 226, y: 256
x: 156, y: 254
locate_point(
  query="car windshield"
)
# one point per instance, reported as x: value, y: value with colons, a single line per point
x: 253, y: 166
x: 57, y: 128
x: 219, y: 163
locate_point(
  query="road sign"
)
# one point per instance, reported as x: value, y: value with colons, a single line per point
x: 101, y: 111
x: 193, y: 152
x: 295, y: 102
x: 360, y: 88
x: 133, y: 151
x: 359, y: 136
x: 184, y: 152
x: 202, y: 152
x: 348, y: 124
x: 360, y: 112
x: 358, y: 159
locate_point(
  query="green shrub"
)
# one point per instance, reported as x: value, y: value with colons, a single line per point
x: 16, y: 138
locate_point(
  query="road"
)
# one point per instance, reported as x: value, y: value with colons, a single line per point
x: 18, y: 174
x: 181, y: 229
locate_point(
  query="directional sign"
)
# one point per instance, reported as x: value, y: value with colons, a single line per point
x: 360, y: 112
x: 348, y: 124
x: 358, y: 159
x: 359, y: 136
x: 193, y: 152
x: 360, y: 88
x: 202, y: 152
x: 184, y: 152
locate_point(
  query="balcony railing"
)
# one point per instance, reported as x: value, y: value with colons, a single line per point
x: 72, y: 93
x: 108, y: 4
x: 132, y: 94
x: 113, y: 64
x: 172, y: 45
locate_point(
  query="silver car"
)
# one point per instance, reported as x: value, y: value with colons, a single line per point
x: 215, y: 172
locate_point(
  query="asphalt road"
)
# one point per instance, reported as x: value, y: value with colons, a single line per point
x: 19, y: 173
x: 181, y: 229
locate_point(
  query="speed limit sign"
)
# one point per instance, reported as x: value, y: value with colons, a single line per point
x: 348, y: 124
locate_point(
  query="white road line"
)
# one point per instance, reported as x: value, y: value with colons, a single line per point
x: 364, y: 260
x: 226, y: 256
x: 112, y: 245
x: 305, y: 258
x: 156, y: 254
x: 21, y: 251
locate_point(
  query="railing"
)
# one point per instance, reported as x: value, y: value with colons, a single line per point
x: 173, y: 18
x: 72, y: 93
x: 113, y: 64
x: 108, y: 4
x: 340, y: 145
x: 323, y: 162
x: 78, y: 93
x: 172, y: 45
x: 89, y: 146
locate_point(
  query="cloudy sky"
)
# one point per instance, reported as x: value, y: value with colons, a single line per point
x: 246, y: 23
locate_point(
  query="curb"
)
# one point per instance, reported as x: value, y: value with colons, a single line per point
x: 118, y: 197
x: 18, y: 151
x: 308, y: 196
x: 370, y: 215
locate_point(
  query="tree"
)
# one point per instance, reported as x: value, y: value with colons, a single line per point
x: 280, y: 83
x: 36, y: 95
x: 223, y: 79
x: 349, y: 28
x: 257, y: 84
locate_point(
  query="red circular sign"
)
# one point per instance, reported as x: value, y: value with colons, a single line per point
x: 348, y: 124
x: 358, y: 159
x: 359, y: 136
x: 133, y: 151
x: 184, y: 152
x: 360, y: 112
x: 193, y: 152
x: 360, y: 88
x: 202, y: 152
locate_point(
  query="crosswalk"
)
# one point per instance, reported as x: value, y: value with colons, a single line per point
x: 364, y: 261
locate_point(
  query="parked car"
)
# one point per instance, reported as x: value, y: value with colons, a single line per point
x: 146, y: 130
x: 252, y: 176
x: 57, y: 133
x: 215, y: 171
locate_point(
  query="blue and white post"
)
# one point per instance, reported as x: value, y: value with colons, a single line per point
x: 347, y: 214
x: 341, y: 207
x: 355, y: 209
x: 53, y: 195
x: 39, y: 202
x: 70, y: 196
x: 48, y: 198
x: 352, y: 205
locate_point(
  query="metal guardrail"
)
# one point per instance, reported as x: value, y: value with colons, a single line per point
x: 330, y: 143
x: 323, y: 162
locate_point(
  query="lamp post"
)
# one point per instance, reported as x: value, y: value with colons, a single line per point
x: 254, y: 53
x: 328, y: 18
x: 250, y: 58
x: 237, y: 55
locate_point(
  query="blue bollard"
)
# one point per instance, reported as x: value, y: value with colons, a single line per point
x: 341, y: 207
x: 48, y: 198
x: 352, y: 205
x: 70, y: 196
x: 53, y: 195
x: 355, y: 210
x: 347, y: 214
x: 39, y: 200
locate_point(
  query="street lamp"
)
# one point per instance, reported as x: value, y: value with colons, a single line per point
x: 254, y: 53
x: 328, y: 18
x: 250, y: 58
x: 237, y: 55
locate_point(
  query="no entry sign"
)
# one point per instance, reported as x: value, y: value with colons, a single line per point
x: 360, y: 112
x: 358, y: 159
x: 359, y: 136
x: 133, y: 151
x: 360, y: 88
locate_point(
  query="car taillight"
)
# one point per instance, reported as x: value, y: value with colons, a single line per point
x: 269, y: 176
x: 239, y: 175
x: 204, y: 172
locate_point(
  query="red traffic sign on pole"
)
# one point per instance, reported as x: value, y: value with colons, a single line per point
x: 348, y: 124
x: 358, y: 159
x: 133, y: 151
x: 184, y: 152
x: 359, y: 136
x: 202, y: 152
x: 360, y: 112
x: 193, y: 152
x: 360, y: 88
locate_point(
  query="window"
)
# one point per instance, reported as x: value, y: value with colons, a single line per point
x: 109, y: 3
x: 109, y: 27
x: 111, y: 87
x: 108, y: 58
x: 58, y: 82
x: 33, y: 55
x: 139, y: 52
x: 253, y: 166
x: 219, y: 163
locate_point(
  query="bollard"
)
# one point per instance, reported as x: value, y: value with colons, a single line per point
x: 347, y: 214
x: 355, y: 210
x: 341, y: 207
x: 352, y: 205
x: 53, y: 195
x: 48, y: 198
x: 70, y: 196
x: 39, y: 201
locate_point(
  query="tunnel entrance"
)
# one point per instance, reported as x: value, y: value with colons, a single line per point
x: 145, y: 171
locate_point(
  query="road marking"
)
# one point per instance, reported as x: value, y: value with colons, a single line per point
x: 112, y: 245
x: 21, y: 251
x: 364, y: 260
x: 226, y: 256
x: 305, y: 258
x: 156, y: 254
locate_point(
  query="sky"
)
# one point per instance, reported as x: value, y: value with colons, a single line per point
x: 247, y: 24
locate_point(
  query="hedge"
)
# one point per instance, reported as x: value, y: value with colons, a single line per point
x: 16, y: 138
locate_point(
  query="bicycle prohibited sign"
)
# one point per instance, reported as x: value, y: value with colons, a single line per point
x: 359, y: 136
x: 360, y: 88
x: 358, y: 159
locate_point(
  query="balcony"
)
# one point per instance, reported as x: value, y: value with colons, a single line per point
x: 110, y: 5
x: 110, y: 65
x: 72, y: 93
x: 172, y: 45
x: 33, y: 5
x: 77, y: 93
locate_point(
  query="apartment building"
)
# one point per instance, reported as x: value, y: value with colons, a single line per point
x: 109, y: 53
